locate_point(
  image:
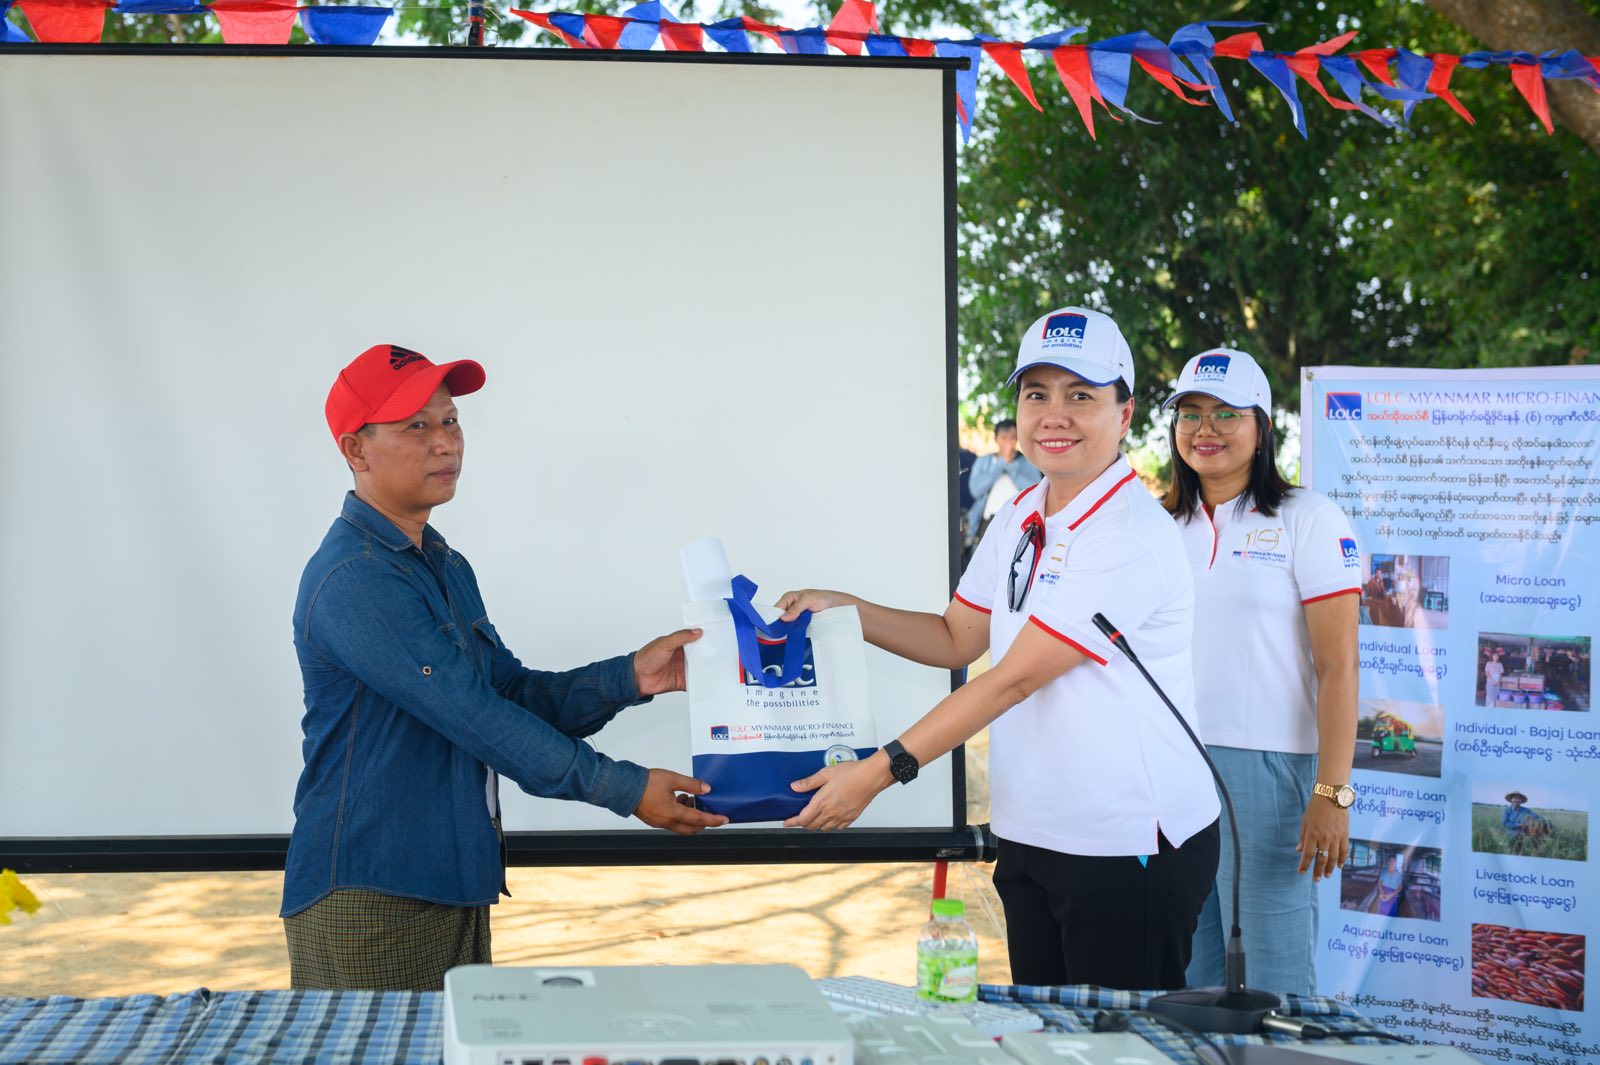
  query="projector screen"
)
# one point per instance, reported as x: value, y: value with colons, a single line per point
x: 714, y: 296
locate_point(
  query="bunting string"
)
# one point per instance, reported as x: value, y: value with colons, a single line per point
x: 1093, y: 73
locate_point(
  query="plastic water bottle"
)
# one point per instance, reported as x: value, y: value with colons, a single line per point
x: 947, y: 955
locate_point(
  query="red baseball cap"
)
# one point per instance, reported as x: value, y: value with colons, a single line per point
x: 387, y: 382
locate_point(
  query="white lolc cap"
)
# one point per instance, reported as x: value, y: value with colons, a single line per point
x: 1080, y: 341
x: 1226, y: 374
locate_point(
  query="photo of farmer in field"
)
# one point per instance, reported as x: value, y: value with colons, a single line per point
x: 1508, y: 823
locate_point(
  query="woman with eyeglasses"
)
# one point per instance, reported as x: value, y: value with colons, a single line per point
x: 1277, y: 587
x: 1106, y: 813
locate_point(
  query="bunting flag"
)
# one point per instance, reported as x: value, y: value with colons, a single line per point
x: 66, y: 21
x: 1096, y: 72
x: 358, y: 26
x: 255, y: 21
x: 159, y: 7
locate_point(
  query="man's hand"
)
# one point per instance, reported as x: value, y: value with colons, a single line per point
x: 1324, y: 838
x: 667, y: 803
x: 842, y: 792
x: 658, y: 665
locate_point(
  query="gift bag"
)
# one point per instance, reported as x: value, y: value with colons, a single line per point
x: 772, y: 702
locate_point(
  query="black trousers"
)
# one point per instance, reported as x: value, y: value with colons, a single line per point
x: 1074, y: 919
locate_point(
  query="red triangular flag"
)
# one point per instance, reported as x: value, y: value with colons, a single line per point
x: 602, y: 31
x: 852, y: 22
x: 1529, y: 81
x: 1008, y: 57
x: 66, y: 21
x: 1308, y: 65
x: 917, y: 48
x: 1377, y: 60
x: 1239, y: 46
x: 683, y: 37
x: 1170, y: 80
x: 255, y: 21
x: 1072, y: 63
x: 1328, y: 47
x: 1439, y: 84
x: 769, y: 32
x: 544, y: 23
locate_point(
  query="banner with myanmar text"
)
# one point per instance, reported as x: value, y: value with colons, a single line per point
x: 1466, y: 909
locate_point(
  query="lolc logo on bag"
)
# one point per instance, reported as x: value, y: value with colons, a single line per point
x: 772, y: 664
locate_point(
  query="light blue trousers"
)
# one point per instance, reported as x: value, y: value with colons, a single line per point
x: 1278, y: 907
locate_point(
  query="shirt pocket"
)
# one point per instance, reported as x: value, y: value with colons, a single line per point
x: 452, y: 632
x: 485, y: 642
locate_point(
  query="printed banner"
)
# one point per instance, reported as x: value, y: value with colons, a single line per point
x: 1475, y: 495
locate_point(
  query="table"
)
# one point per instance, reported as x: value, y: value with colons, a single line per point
x: 407, y: 1027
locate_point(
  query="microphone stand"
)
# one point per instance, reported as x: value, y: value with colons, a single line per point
x: 1234, y: 1007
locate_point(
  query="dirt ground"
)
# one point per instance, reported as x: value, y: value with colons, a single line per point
x: 127, y: 933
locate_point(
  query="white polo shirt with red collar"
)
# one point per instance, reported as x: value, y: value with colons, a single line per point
x: 1093, y: 763
x: 1254, y: 678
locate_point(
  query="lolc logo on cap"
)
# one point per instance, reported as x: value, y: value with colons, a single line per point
x: 1211, y: 368
x: 400, y: 358
x: 1064, y: 330
x: 1343, y: 406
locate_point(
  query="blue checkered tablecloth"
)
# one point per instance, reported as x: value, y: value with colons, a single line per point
x: 278, y: 1027
x: 1073, y: 1009
x: 407, y: 1027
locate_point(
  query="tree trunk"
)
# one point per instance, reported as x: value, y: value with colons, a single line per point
x: 1538, y: 26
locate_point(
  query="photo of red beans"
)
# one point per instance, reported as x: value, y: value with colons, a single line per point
x: 1521, y: 965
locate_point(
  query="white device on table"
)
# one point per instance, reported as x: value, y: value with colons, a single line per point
x: 950, y: 1040
x: 639, y: 1015
x: 858, y: 995
x: 1082, y: 1048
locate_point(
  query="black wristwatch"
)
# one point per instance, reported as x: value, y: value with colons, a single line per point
x: 903, y: 765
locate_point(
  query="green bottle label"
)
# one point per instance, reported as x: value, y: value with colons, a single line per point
x: 948, y: 976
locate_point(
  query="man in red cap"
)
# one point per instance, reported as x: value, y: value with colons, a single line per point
x: 415, y: 708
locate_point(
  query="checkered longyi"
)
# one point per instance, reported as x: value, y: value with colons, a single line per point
x: 368, y: 941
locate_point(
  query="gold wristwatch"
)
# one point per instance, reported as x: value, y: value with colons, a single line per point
x: 1343, y: 796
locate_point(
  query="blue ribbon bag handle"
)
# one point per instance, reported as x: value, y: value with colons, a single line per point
x: 747, y: 622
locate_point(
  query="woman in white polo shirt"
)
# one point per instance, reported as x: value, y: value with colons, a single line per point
x: 1277, y: 583
x: 1105, y: 811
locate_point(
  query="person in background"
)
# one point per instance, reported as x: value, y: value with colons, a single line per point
x: 996, y: 478
x: 964, y: 461
x: 1277, y: 585
x: 415, y: 708
x: 1106, y: 814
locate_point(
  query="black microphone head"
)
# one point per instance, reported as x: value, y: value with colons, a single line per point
x: 1106, y: 627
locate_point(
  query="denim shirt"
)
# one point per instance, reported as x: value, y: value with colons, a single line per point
x: 413, y: 705
x: 986, y: 470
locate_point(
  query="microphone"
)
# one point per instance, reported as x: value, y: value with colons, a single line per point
x: 1233, y: 1007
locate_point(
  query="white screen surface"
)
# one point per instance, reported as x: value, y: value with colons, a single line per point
x: 710, y: 299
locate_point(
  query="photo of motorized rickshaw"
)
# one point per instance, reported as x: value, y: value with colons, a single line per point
x: 1391, y: 736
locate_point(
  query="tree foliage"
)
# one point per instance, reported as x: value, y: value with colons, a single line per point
x: 1440, y: 245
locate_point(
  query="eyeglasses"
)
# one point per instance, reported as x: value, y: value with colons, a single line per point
x: 1031, y: 545
x: 1224, y: 421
